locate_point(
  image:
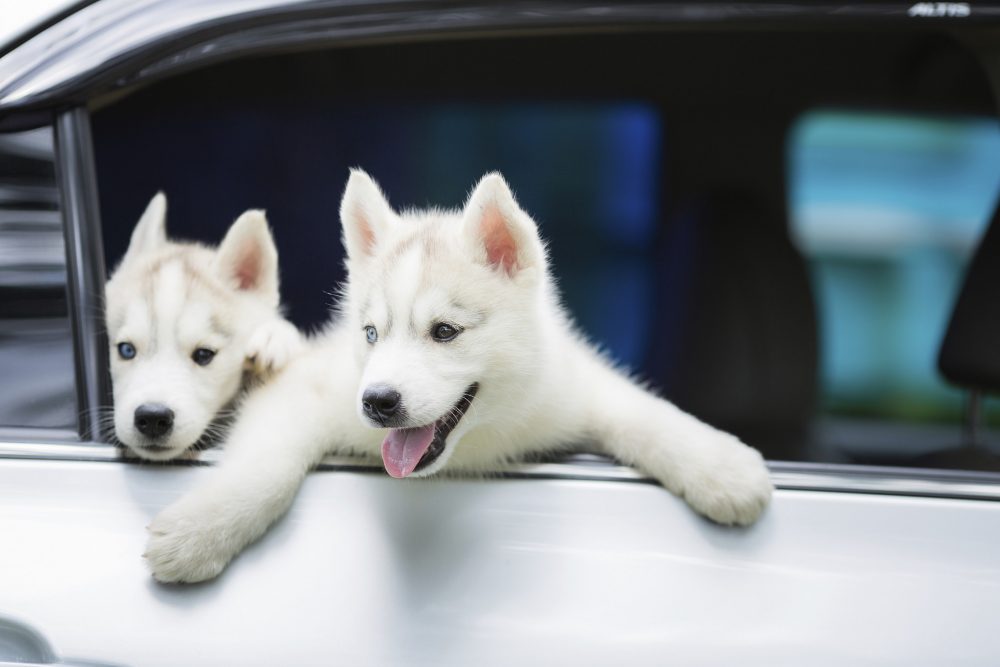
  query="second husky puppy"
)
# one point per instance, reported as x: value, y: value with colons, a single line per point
x: 183, y: 320
x: 451, y: 352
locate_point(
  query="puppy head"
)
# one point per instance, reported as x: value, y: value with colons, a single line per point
x: 178, y: 317
x: 443, y: 304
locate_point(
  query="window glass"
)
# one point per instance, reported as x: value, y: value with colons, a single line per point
x: 36, y: 352
x: 888, y: 210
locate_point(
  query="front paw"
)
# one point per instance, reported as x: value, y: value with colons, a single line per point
x: 272, y: 345
x: 184, y: 547
x: 730, y: 484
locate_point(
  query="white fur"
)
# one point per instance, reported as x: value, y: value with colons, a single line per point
x: 541, y: 386
x: 167, y: 299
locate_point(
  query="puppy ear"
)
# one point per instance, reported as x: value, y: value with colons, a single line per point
x: 247, y: 258
x: 364, y: 215
x: 150, y: 232
x: 501, y: 234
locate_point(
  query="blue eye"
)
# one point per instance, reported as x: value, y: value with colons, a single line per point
x: 371, y: 334
x: 203, y: 356
x: 126, y: 351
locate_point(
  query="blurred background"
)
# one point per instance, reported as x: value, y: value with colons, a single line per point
x: 888, y: 209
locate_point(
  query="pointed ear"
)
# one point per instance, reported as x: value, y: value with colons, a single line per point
x: 364, y: 215
x: 501, y: 234
x: 247, y: 258
x: 150, y: 232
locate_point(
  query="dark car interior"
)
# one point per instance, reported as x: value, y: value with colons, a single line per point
x: 656, y: 164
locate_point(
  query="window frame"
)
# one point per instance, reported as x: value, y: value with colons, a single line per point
x: 77, y: 182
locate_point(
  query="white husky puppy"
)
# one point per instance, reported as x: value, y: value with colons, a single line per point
x: 451, y: 352
x: 183, y: 320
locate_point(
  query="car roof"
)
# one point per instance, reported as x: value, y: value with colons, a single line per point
x: 96, y: 47
x: 23, y: 20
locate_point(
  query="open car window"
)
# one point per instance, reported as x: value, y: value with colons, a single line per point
x: 673, y: 208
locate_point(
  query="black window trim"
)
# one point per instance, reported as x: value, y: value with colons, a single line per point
x: 85, y: 275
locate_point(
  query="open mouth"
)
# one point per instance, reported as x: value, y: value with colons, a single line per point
x: 405, y: 450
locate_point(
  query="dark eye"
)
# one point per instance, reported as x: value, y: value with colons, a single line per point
x: 126, y: 351
x: 443, y: 333
x: 371, y: 334
x: 203, y: 356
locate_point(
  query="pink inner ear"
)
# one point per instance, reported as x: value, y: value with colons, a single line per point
x: 248, y: 267
x: 501, y: 248
x: 365, y: 229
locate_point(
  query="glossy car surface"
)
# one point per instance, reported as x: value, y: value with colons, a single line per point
x: 367, y: 570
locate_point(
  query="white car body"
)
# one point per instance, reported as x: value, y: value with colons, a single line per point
x: 562, y: 564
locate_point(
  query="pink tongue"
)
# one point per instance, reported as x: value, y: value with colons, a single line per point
x: 403, y: 447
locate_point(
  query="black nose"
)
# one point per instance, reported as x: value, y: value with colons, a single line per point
x: 381, y: 403
x: 154, y: 420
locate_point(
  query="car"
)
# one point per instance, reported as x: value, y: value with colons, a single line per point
x: 783, y: 217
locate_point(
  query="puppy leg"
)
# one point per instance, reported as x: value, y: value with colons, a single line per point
x: 282, y: 432
x: 719, y: 476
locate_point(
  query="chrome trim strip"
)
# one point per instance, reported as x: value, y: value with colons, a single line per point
x: 39, y: 434
x: 897, y: 481
x: 85, y: 277
x: 791, y: 476
x: 52, y: 451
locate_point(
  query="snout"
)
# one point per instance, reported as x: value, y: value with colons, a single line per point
x: 382, y: 404
x: 154, y: 420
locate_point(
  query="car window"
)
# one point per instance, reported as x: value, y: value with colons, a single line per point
x: 888, y: 209
x: 665, y: 213
x: 36, y: 352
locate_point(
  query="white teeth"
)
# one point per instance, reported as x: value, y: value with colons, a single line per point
x: 445, y: 425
